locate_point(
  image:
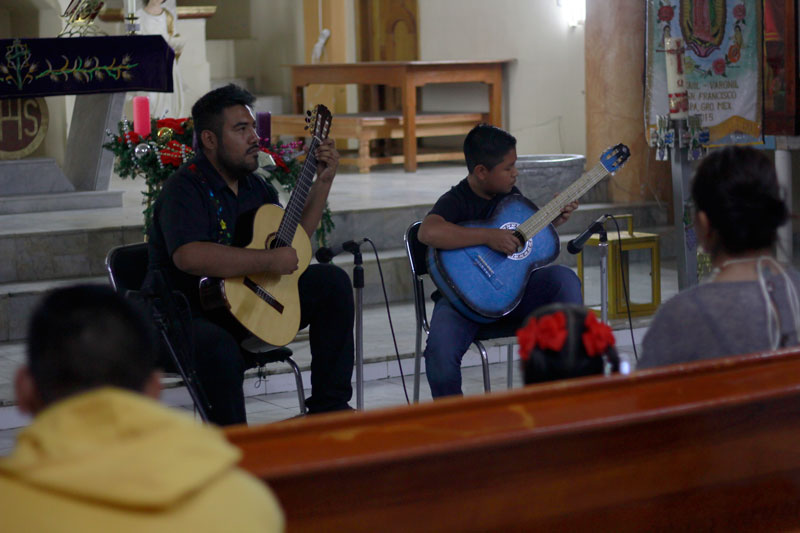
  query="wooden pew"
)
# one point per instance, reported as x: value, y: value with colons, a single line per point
x: 706, y: 445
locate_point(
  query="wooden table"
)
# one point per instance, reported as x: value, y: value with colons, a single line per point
x: 408, y: 75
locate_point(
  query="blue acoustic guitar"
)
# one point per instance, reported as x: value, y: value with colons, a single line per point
x: 485, y: 285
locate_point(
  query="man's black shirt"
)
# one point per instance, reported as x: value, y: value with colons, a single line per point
x: 196, y: 204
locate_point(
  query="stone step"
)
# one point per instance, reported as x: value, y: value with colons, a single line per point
x: 18, y: 298
x: 17, y: 301
x: 386, y: 226
x: 44, y: 255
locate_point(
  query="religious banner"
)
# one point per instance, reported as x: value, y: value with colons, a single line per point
x: 720, y: 65
x: 84, y: 65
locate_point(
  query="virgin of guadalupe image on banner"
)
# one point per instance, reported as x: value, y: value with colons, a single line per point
x: 721, y: 65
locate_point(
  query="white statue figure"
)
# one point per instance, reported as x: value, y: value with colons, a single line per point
x: 159, y: 17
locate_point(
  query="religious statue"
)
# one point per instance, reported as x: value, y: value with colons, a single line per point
x: 158, y: 17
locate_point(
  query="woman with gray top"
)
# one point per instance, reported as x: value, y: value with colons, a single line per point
x: 751, y: 303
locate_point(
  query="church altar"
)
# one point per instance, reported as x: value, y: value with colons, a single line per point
x: 99, y: 70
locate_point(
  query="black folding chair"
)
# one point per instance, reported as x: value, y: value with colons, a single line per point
x: 127, y: 267
x: 491, y: 334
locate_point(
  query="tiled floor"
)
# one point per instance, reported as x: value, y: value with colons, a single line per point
x: 268, y: 408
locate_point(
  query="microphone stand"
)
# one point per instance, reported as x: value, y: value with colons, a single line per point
x: 358, y: 287
x: 603, y: 247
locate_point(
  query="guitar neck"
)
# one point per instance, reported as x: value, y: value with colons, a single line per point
x: 549, y: 212
x: 297, y: 202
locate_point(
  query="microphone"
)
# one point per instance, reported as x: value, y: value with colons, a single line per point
x: 324, y: 254
x: 576, y: 245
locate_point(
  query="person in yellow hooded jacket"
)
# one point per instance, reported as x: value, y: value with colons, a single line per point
x: 101, y: 453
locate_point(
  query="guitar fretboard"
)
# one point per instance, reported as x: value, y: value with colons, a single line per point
x: 549, y: 212
x: 294, y: 208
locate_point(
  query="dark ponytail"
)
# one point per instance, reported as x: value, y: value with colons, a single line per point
x: 737, y: 188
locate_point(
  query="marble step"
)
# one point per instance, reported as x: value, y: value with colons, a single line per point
x: 18, y: 298
x: 80, y: 252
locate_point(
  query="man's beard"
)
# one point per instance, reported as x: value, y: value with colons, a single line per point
x: 236, y: 168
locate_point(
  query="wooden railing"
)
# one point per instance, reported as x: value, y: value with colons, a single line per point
x: 706, y: 445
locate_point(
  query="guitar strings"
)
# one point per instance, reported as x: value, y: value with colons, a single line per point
x: 294, y: 208
x: 538, y: 221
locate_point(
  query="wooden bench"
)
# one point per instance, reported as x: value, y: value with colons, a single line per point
x: 366, y: 127
x: 707, y: 445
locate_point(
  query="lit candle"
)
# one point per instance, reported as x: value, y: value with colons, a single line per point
x: 141, y: 115
x: 130, y: 6
x: 676, y: 84
x: 263, y: 124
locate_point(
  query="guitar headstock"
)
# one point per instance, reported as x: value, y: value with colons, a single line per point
x: 615, y: 157
x: 318, y: 121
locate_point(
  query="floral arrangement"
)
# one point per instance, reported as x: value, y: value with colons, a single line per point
x: 549, y: 332
x: 169, y: 145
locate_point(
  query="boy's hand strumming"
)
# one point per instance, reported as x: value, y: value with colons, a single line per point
x: 502, y: 240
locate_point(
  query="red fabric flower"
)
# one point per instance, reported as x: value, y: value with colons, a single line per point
x: 739, y: 12
x: 597, y: 337
x: 173, y: 153
x: 131, y: 136
x: 526, y: 338
x: 193, y: 168
x: 719, y: 66
x: 176, y: 124
x: 549, y: 333
x: 665, y: 13
x: 170, y: 158
x: 278, y: 159
x: 552, y: 331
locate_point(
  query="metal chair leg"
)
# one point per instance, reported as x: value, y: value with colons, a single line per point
x: 298, y: 378
x: 510, y: 353
x: 417, y: 363
x: 487, y: 385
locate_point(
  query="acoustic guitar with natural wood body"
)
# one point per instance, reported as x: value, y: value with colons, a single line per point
x: 268, y: 305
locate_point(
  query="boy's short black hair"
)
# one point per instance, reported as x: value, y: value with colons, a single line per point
x: 207, y: 111
x: 487, y: 145
x: 88, y: 336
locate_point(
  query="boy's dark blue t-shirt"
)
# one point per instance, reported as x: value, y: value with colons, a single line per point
x: 461, y: 204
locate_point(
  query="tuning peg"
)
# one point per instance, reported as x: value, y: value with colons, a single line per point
x: 308, y: 112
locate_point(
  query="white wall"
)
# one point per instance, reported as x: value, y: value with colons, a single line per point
x: 544, y: 101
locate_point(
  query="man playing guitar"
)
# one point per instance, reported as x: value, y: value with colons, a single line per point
x: 194, y: 235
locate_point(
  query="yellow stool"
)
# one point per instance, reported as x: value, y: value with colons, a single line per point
x: 630, y: 240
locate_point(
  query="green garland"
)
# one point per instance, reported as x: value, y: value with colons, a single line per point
x: 157, y: 156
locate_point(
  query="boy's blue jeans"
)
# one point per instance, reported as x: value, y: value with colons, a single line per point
x: 451, y: 333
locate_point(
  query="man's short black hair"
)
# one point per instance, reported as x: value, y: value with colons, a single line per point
x: 487, y: 145
x: 207, y: 111
x: 88, y: 336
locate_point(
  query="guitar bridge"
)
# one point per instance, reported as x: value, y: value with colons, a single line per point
x: 264, y: 295
x: 487, y: 270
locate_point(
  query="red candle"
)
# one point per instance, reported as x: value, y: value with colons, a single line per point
x: 141, y: 115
